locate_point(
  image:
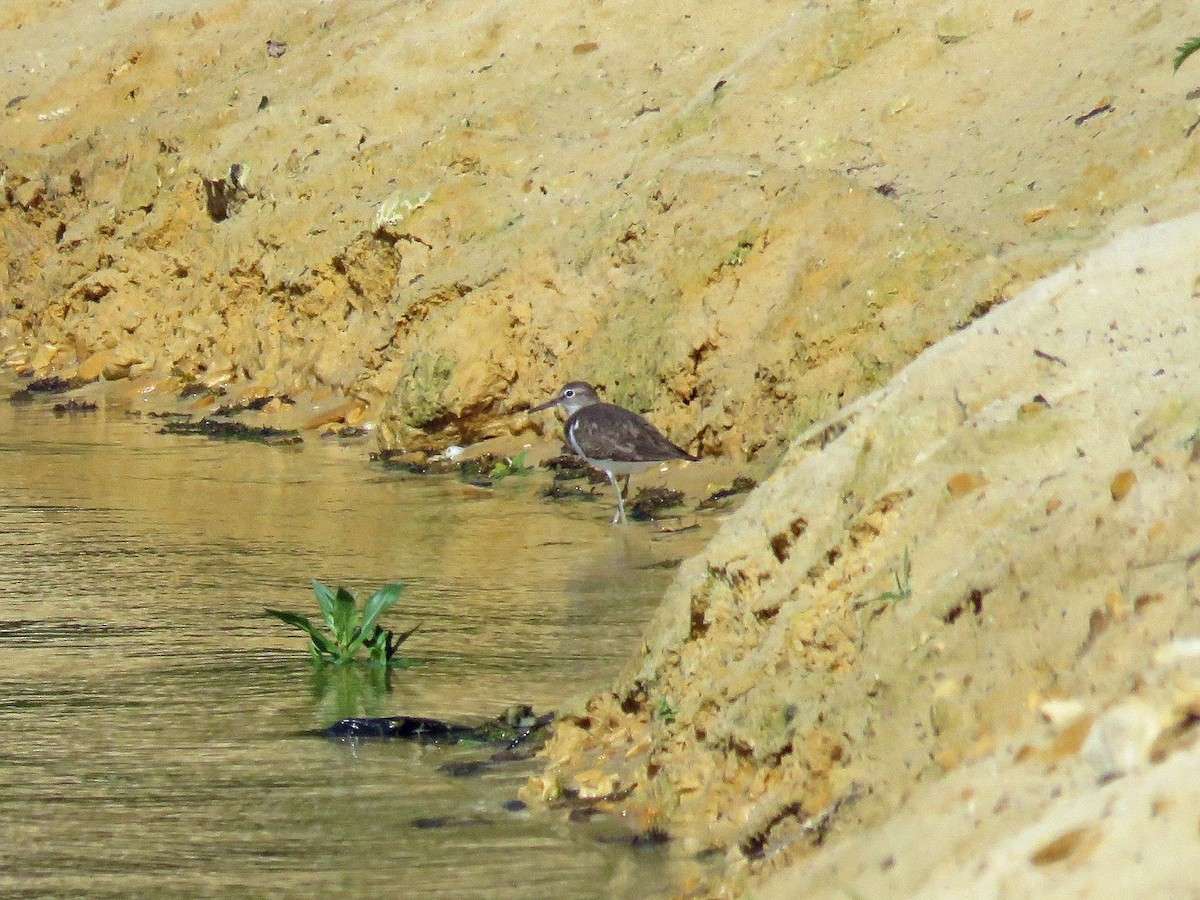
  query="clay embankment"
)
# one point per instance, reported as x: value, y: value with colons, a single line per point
x: 445, y: 210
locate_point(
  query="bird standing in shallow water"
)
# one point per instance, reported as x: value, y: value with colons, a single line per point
x: 611, y: 438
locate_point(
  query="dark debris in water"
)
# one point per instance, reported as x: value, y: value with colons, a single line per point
x: 481, y: 466
x: 233, y: 431
x: 740, y: 485
x: 158, y: 414
x: 451, y: 822
x: 567, y: 465
x: 481, y: 471
x: 650, y: 501
x: 581, y: 809
x: 560, y: 491
x: 568, y: 468
x: 468, y: 768
x: 599, y: 814
x: 393, y: 459
x: 54, y: 385
x: 431, y: 466
x: 50, y: 385
x: 417, y: 463
x: 199, y: 389
x: 516, y: 734
x: 345, y: 431
x: 651, y: 837
x: 517, y: 727
x: 669, y: 563
x: 252, y: 405
x: 409, y: 728
x: 518, y: 750
x: 678, y: 529
x: 75, y: 406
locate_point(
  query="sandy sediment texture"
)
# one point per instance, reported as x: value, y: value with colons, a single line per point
x: 989, y: 566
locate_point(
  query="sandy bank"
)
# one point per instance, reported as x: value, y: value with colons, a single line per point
x: 812, y: 233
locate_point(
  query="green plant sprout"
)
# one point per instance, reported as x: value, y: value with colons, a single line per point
x: 1184, y: 50
x: 351, y: 629
x: 738, y: 255
x: 666, y: 711
x: 903, y: 582
x: 514, y: 466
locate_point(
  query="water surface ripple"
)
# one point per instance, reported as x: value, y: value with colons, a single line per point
x: 157, y: 728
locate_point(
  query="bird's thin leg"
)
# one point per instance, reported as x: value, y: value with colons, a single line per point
x: 620, y: 516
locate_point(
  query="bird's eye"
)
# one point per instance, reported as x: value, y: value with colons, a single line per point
x: 568, y: 393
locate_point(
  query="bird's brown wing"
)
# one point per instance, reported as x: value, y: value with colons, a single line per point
x: 606, y: 431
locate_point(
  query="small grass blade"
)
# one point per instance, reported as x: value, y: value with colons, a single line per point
x: 903, y: 578
x: 1184, y: 50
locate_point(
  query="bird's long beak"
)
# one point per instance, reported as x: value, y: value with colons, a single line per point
x: 549, y: 403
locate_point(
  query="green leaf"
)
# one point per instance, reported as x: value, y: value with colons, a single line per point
x: 392, y: 643
x: 324, y: 646
x: 378, y: 645
x: 325, y: 597
x: 383, y: 645
x: 351, y: 628
x: 403, y: 636
x: 380, y: 601
x: 1184, y: 50
x: 506, y: 467
x: 360, y: 638
x: 345, y: 619
x: 320, y: 642
x: 292, y: 618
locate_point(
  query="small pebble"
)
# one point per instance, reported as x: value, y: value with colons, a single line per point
x: 1120, y: 740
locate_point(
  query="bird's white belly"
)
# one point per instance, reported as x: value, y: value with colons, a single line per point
x: 623, y: 467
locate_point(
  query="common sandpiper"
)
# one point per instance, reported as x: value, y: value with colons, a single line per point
x: 611, y: 438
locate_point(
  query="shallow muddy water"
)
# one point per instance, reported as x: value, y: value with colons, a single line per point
x: 156, y: 729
